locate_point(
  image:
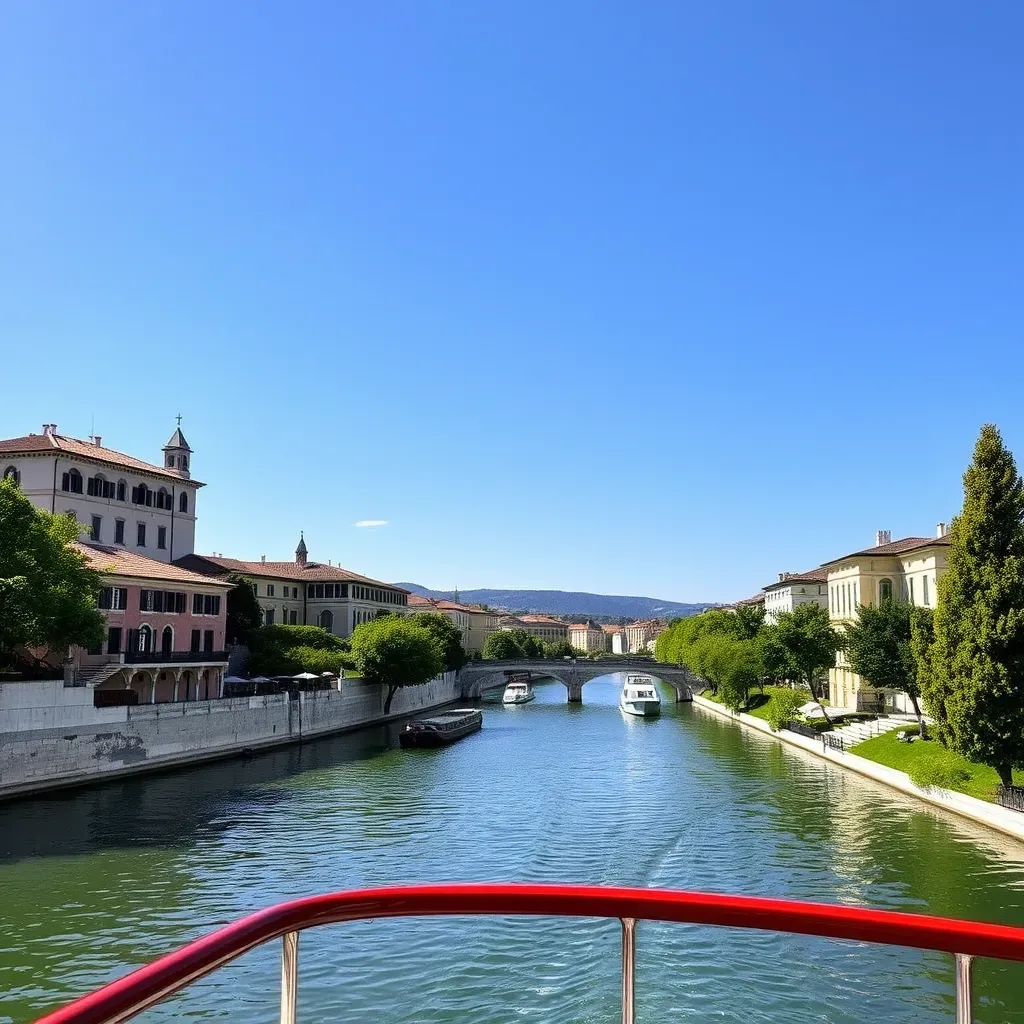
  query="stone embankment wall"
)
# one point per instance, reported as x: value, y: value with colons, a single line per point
x: 1002, y: 818
x: 69, y: 742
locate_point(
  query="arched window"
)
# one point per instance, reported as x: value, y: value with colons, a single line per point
x: 163, y: 499
x: 10, y: 473
x: 183, y: 502
x: 145, y: 639
x: 884, y: 590
x: 167, y: 640
x: 326, y: 620
x: 72, y: 481
x: 183, y: 461
x: 122, y: 488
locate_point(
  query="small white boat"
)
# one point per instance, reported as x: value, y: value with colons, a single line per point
x: 639, y: 697
x: 518, y: 691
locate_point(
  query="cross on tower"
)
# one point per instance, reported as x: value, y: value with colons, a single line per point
x: 179, y: 419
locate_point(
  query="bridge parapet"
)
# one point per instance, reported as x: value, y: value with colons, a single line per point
x: 479, y: 676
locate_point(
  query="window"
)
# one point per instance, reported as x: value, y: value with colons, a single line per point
x: 140, y: 535
x: 197, y: 640
x: 270, y: 590
x: 72, y: 481
x: 142, y: 495
x: 121, y: 487
x: 163, y: 499
x: 161, y: 537
x: 924, y: 590
x: 97, y: 523
x: 326, y: 620
x: 113, y: 598
x: 206, y: 604
x: 207, y: 641
x: 294, y: 617
x: 118, y: 531
x: 910, y: 585
x: 99, y: 487
x: 144, y: 639
x: 885, y: 590
x: 114, y: 640
x: 268, y: 617
x: 167, y: 640
x: 10, y: 473
x: 183, y: 502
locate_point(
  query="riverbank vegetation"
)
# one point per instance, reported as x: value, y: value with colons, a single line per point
x: 517, y: 643
x: 394, y: 652
x: 288, y: 650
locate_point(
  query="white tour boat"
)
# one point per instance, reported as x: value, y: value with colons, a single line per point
x: 518, y: 690
x: 639, y: 697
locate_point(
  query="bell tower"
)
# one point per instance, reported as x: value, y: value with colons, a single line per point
x: 177, y: 453
x: 300, y: 552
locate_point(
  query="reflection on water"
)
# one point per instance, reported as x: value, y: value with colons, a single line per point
x: 97, y: 881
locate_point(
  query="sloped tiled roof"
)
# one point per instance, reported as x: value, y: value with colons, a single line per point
x: 811, y: 576
x: 315, y: 572
x: 117, y: 561
x: 896, y: 547
x: 37, y: 444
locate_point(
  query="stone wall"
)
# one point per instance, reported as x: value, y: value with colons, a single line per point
x: 115, y: 741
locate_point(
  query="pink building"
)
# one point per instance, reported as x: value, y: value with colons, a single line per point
x: 165, y: 631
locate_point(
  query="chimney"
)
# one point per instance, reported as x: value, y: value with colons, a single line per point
x: 263, y: 558
x: 941, y: 530
x: 49, y: 428
x: 782, y: 576
x: 98, y: 441
x: 882, y: 537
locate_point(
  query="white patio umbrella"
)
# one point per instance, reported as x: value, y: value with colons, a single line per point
x: 305, y: 675
x: 260, y: 679
x: 235, y: 679
x: 328, y: 675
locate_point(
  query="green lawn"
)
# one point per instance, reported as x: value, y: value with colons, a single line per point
x: 759, y: 702
x: 927, y: 762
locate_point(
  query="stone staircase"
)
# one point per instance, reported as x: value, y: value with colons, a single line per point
x: 857, y: 732
x: 94, y: 676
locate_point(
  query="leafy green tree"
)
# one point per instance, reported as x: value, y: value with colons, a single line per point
x: 878, y: 647
x: 810, y: 643
x: 280, y: 650
x: 560, y: 649
x: 773, y: 653
x: 48, y: 588
x: 749, y: 619
x: 979, y: 621
x: 740, y: 669
x: 447, y: 636
x: 782, y: 707
x: 244, y: 612
x: 395, y: 652
x: 502, y: 645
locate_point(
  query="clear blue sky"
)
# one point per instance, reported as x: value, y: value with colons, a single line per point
x: 655, y: 298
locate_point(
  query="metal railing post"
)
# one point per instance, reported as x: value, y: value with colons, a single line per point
x: 628, y: 969
x: 289, y: 976
x: 964, y: 998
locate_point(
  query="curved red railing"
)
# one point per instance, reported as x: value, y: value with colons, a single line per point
x: 142, y: 988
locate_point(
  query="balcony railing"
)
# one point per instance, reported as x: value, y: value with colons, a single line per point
x: 148, y: 985
x: 173, y: 657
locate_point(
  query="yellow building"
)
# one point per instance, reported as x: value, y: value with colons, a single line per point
x: 901, y: 570
x: 586, y: 636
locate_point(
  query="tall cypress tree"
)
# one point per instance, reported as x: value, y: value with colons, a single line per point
x: 979, y: 621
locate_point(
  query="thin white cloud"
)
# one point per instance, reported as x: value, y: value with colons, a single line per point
x: 371, y: 522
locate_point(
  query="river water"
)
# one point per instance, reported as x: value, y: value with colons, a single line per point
x: 97, y: 881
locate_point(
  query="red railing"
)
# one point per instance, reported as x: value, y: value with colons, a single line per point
x: 148, y: 985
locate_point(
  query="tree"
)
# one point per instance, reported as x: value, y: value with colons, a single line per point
x: 979, y: 620
x: 740, y: 669
x: 561, y: 649
x: 447, y: 636
x: 749, y: 619
x: 244, y: 611
x: 810, y: 643
x: 922, y: 647
x: 878, y: 647
x: 395, y: 652
x: 502, y: 645
x: 773, y: 653
x: 48, y: 588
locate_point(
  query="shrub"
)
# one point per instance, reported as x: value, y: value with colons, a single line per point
x: 782, y: 707
x: 285, y: 637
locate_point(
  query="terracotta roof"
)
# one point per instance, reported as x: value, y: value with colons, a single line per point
x: 756, y: 599
x: 811, y: 576
x: 417, y: 601
x: 37, y: 444
x: 112, y: 561
x: 542, y: 620
x: 611, y: 630
x: 896, y: 547
x: 217, y: 565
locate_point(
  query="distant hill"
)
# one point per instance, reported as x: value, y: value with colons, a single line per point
x: 564, y: 602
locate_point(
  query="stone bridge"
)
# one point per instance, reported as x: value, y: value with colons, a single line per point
x: 573, y: 673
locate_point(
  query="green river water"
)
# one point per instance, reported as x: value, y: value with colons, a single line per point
x: 96, y: 881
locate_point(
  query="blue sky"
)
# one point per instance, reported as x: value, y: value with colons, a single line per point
x: 654, y: 298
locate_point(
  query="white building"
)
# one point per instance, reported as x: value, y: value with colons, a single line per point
x: 793, y: 589
x: 118, y: 500
x: 587, y: 636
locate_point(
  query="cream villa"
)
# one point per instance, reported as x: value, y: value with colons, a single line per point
x: 543, y: 627
x: 586, y: 636
x: 793, y: 589
x: 118, y: 500
x: 305, y: 593
x: 902, y: 570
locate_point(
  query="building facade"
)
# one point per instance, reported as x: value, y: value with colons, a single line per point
x: 543, y: 627
x: 165, y: 630
x: 118, y: 500
x: 793, y: 589
x: 587, y: 636
x: 305, y: 593
x: 640, y: 636
x: 902, y: 570
x: 476, y: 624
